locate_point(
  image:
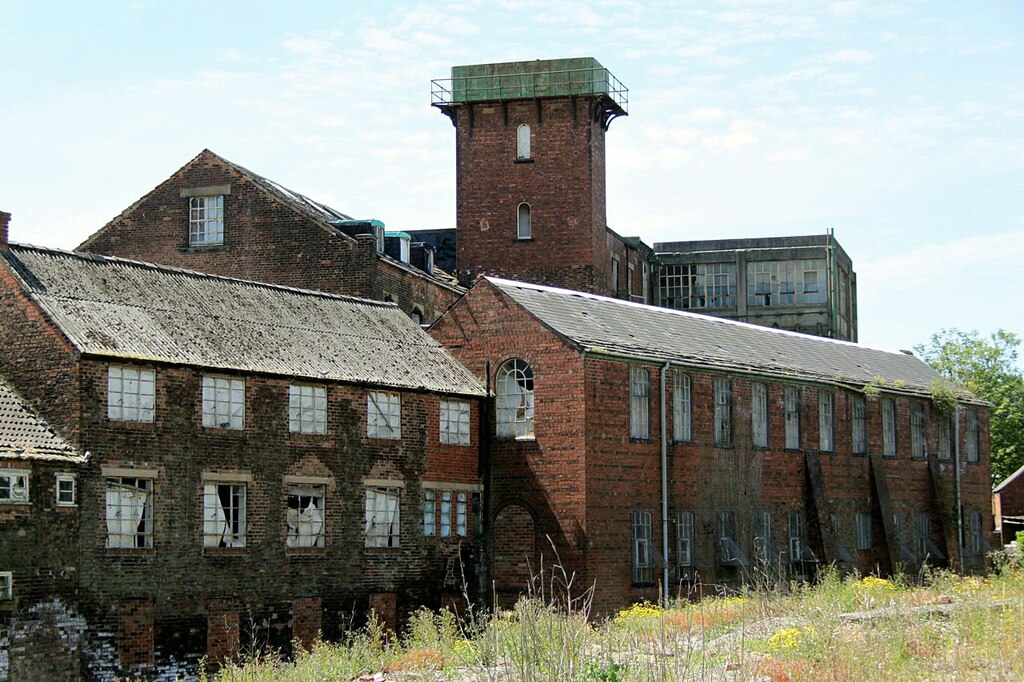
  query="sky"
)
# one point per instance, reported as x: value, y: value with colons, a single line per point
x: 900, y: 124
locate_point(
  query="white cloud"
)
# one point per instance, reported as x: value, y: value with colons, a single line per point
x: 850, y: 56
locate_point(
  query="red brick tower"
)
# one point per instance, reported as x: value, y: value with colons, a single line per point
x: 530, y: 169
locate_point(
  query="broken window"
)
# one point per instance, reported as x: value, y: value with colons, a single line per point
x: 759, y: 415
x: 514, y: 398
x: 130, y: 394
x: 863, y: 531
x: 771, y: 283
x: 129, y: 512
x: 454, y: 422
x: 305, y: 516
x: 682, y: 408
x: 860, y: 425
x: 14, y: 486
x: 799, y: 551
x: 972, y: 439
x: 429, y: 511
x: 382, y: 517
x: 723, y: 412
x: 383, y: 415
x: 524, y: 222
x: 729, y: 553
x: 826, y: 433
x: 643, y: 560
x: 686, y: 554
x: 206, y: 220
x: 639, y: 402
x: 523, y: 142
x: 792, y: 425
x: 763, y: 537
x: 224, y: 515
x: 888, y: 427
x: 837, y: 535
x: 307, y: 409
x: 918, y: 426
x: 6, y: 586
x: 65, y: 489
x: 223, y: 402
x: 700, y: 285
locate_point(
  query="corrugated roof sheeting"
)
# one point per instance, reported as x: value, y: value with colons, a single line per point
x: 119, y: 308
x: 23, y: 435
x: 610, y: 326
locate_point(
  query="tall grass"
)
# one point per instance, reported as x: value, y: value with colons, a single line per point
x: 841, y: 628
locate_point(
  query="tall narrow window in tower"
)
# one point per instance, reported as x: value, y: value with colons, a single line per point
x: 514, y: 399
x: 523, y: 142
x: 524, y: 222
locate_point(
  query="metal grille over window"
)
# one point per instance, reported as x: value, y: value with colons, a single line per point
x: 888, y: 427
x: 305, y: 516
x: 918, y: 427
x: 682, y: 408
x: 759, y: 415
x: 206, y: 220
x: 382, y: 517
x: 223, y: 402
x: 130, y: 394
x: 454, y: 422
x: 514, y: 398
x: 860, y: 426
x: 643, y: 560
x: 307, y: 409
x: 129, y: 512
x: 224, y: 515
x: 383, y: 415
x: 792, y: 405
x: 639, y: 402
x: 723, y: 412
x: 863, y: 531
x: 826, y: 433
x: 14, y: 485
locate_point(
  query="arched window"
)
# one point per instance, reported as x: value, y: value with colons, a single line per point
x: 523, y: 142
x: 514, y: 399
x: 525, y: 227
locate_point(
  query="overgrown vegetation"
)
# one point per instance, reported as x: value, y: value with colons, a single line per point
x: 842, y: 628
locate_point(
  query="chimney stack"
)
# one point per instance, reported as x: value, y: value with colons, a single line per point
x: 5, y: 221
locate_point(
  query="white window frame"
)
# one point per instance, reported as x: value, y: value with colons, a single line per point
x: 826, y: 421
x: 792, y: 403
x: 859, y: 419
x: 131, y: 393
x: 523, y: 141
x: 131, y: 496
x: 13, y: 492
x: 70, y: 500
x: 307, y: 409
x: 6, y: 585
x: 384, y: 415
x: 223, y: 402
x: 224, y: 526
x: 514, y: 397
x: 446, y: 513
x: 888, y: 427
x: 759, y: 415
x: 461, y: 516
x: 918, y: 430
x: 429, y: 513
x: 682, y: 408
x: 643, y: 547
x: 454, y: 422
x: 383, y: 517
x: 206, y: 220
x: 524, y: 221
x: 864, y: 539
x: 639, y: 403
x: 306, y: 521
x: 723, y: 412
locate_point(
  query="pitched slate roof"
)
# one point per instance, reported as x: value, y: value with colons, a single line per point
x: 23, y: 435
x: 119, y: 308
x: 608, y: 326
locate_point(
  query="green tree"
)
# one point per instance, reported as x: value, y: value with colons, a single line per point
x: 987, y: 367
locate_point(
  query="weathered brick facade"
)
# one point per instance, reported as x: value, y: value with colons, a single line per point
x: 266, y: 239
x: 581, y: 477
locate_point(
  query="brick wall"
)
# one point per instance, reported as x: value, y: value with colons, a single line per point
x: 264, y: 240
x: 563, y: 182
